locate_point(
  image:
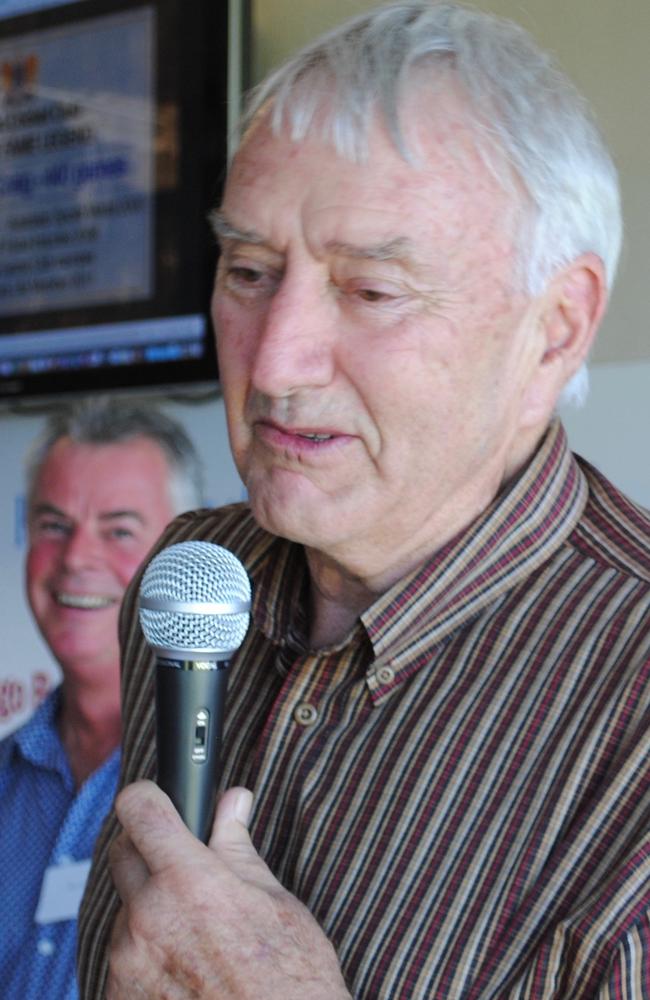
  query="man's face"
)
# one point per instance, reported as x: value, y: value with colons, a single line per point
x: 95, y: 512
x: 373, y: 348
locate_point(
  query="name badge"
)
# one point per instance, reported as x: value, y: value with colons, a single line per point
x: 61, y: 891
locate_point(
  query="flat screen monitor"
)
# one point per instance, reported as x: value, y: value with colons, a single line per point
x: 114, y: 117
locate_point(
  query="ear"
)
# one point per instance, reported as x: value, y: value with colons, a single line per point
x: 576, y: 301
x: 570, y: 313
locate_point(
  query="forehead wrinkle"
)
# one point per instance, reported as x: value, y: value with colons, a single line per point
x: 114, y: 515
x: 399, y: 248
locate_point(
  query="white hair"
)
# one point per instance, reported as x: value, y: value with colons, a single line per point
x: 100, y: 420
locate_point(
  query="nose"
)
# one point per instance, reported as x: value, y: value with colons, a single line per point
x: 294, y: 349
x: 81, y: 550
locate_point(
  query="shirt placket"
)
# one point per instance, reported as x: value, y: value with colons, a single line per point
x: 318, y: 691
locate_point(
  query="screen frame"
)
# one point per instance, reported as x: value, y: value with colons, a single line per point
x: 205, y: 81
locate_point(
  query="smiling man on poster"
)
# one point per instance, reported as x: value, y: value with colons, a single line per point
x: 105, y: 477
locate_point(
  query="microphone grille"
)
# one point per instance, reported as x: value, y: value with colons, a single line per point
x: 195, y: 573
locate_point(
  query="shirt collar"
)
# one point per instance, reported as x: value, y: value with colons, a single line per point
x: 517, y: 533
x: 37, y: 740
x: 38, y: 743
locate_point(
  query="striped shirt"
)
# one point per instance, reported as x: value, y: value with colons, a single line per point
x: 458, y: 791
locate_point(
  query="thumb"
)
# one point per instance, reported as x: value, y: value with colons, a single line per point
x: 230, y: 827
x: 230, y: 839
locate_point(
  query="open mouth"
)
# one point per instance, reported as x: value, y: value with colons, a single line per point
x: 316, y: 437
x: 298, y: 442
x: 88, y: 602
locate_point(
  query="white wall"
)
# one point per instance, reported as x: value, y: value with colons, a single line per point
x: 612, y: 429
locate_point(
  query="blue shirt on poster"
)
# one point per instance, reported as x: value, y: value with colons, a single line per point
x: 46, y: 824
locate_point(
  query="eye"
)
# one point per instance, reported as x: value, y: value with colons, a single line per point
x: 374, y: 292
x: 245, y: 280
x: 51, y: 528
x: 372, y: 295
x: 245, y: 275
x: 120, y: 534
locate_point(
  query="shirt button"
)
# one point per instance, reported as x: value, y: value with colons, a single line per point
x: 385, y: 675
x: 45, y: 947
x: 305, y: 714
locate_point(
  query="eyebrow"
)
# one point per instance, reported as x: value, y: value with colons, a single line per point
x: 399, y: 248
x: 223, y: 229
x: 111, y: 515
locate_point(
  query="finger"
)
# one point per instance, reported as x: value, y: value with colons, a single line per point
x: 127, y: 867
x: 154, y: 827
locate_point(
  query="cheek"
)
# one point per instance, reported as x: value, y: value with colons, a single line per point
x: 123, y: 566
x: 39, y: 568
x: 236, y: 339
x: 236, y: 336
x: 41, y: 559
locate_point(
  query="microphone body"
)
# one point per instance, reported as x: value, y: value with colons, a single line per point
x: 190, y: 702
x: 194, y: 604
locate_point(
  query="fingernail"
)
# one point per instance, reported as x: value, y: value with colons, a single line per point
x: 242, y: 806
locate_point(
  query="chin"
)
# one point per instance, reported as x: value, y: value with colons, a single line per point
x: 288, y: 504
x: 277, y: 521
x: 286, y: 520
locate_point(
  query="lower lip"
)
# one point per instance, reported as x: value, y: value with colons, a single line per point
x: 294, y: 445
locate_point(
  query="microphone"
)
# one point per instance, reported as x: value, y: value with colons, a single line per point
x: 194, y: 611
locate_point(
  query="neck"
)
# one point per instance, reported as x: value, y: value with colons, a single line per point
x: 89, y: 726
x: 336, y: 600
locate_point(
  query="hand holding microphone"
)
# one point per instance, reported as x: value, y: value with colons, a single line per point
x: 193, y: 915
x: 194, y: 612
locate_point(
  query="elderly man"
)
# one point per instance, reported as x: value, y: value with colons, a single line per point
x: 439, y: 707
x: 106, y: 477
